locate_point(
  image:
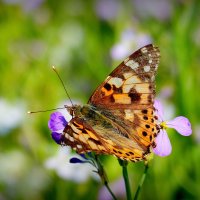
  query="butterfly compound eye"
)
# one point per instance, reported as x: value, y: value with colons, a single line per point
x: 70, y: 110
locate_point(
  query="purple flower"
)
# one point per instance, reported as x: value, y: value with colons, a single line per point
x: 180, y: 124
x: 75, y: 160
x: 57, y: 124
x: 84, y: 158
x: 107, y: 10
x: 130, y: 38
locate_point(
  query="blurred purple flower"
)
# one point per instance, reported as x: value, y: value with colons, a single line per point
x: 26, y: 5
x: 130, y: 39
x: 180, y: 124
x: 160, y: 9
x: 57, y: 124
x: 166, y: 92
x: 117, y: 188
x: 107, y: 10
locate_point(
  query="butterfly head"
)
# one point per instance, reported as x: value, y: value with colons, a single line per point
x: 73, y: 110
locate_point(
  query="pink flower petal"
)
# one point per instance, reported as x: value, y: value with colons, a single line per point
x: 163, y: 145
x: 159, y: 110
x: 181, y: 125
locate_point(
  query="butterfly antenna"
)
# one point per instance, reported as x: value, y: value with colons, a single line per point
x: 62, y: 84
x: 39, y: 111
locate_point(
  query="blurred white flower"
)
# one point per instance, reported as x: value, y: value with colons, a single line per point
x: 13, y: 165
x: 78, y: 172
x: 130, y: 40
x: 18, y: 170
x: 166, y: 92
x: 107, y: 9
x: 12, y: 115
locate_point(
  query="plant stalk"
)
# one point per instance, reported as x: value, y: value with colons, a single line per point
x: 124, y: 164
x: 103, y: 176
x: 141, y: 181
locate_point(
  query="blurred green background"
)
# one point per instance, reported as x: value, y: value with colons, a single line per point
x: 85, y: 40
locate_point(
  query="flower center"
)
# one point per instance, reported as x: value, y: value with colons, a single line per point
x: 163, y: 125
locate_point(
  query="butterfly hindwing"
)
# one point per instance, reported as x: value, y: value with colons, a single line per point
x: 83, y: 138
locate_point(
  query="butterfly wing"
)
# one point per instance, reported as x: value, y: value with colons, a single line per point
x: 128, y: 95
x: 131, y: 84
x: 82, y: 137
x: 119, y: 119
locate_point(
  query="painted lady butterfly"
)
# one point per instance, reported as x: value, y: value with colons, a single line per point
x: 119, y: 118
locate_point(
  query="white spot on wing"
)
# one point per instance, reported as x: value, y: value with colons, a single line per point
x: 152, y: 78
x: 142, y: 88
x: 147, y: 68
x: 131, y: 80
x: 144, y: 50
x: 126, y: 60
x: 127, y: 75
x: 117, y: 82
x: 67, y: 136
x: 132, y: 64
x: 71, y: 139
x: 127, y: 88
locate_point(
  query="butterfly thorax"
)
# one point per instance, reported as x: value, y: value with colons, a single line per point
x: 73, y: 110
x: 91, y: 113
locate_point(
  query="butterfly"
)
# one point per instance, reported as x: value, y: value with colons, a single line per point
x: 119, y: 118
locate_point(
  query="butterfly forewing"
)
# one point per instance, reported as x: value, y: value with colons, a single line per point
x: 119, y: 118
x: 131, y: 83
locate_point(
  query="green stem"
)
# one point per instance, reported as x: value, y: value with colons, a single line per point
x: 103, y: 176
x: 141, y: 181
x: 126, y: 179
x: 108, y: 188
